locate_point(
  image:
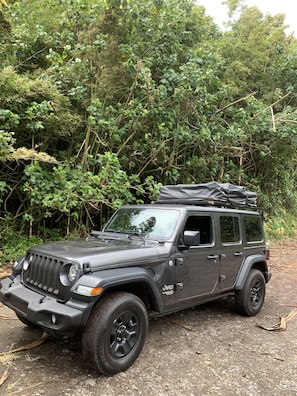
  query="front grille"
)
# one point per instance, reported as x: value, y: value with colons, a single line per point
x: 43, y: 274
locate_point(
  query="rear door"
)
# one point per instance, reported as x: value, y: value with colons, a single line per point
x: 231, y: 249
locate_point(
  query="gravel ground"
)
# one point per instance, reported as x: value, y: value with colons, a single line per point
x: 208, y: 350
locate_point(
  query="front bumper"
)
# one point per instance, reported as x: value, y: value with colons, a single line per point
x: 57, y: 318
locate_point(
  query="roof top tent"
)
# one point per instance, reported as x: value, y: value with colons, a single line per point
x: 214, y: 193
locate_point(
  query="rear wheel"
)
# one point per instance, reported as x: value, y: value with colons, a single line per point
x: 250, y: 299
x: 115, y: 333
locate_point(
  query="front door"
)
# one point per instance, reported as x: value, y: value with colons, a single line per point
x: 197, y: 268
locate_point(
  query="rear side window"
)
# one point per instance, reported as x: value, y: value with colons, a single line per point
x: 253, y: 228
x: 229, y: 226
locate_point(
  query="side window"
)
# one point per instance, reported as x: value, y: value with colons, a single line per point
x: 253, y: 228
x: 229, y: 226
x: 203, y: 224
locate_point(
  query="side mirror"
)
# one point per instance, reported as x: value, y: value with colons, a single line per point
x: 192, y: 238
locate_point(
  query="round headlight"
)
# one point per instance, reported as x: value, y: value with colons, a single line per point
x: 72, y: 272
x: 69, y: 273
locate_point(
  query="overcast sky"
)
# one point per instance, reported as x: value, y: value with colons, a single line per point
x: 215, y: 9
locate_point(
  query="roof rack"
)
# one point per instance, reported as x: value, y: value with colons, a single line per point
x: 208, y: 194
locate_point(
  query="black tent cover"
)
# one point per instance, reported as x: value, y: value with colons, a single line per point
x: 209, y: 193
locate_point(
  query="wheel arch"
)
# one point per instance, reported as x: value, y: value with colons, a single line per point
x: 134, y: 280
x: 252, y: 262
x: 139, y: 288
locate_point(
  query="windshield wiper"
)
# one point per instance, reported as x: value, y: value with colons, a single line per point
x: 102, y: 234
x: 95, y: 233
x: 134, y: 233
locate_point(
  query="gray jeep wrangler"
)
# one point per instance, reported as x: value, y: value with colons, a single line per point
x: 195, y: 244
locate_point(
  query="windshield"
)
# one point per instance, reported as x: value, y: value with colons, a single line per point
x: 147, y: 222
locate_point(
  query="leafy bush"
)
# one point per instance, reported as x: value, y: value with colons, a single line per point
x: 15, y: 245
x: 281, y: 225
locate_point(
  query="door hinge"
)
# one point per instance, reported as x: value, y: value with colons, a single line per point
x: 179, y: 261
x: 222, y: 278
x: 87, y: 268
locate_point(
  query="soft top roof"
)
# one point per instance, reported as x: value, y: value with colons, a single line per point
x: 213, y: 193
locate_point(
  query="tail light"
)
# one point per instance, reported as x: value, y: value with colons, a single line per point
x: 267, y: 254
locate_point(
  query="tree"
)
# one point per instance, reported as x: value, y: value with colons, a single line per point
x: 150, y: 92
x: 250, y: 49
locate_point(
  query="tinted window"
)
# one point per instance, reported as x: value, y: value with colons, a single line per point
x: 229, y: 226
x: 203, y: 224
x: 253, y: 229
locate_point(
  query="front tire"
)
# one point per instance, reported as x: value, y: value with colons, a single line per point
x: 115, y: 333
x: 26, y: 321
x: 250, y: 299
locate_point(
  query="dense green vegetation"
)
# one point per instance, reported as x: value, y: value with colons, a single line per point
x: 102, y: 101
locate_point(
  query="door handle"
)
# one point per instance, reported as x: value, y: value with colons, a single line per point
x: 238, y: 254
x: 213, y: 257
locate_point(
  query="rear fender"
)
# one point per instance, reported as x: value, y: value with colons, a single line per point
x: 256, y: 261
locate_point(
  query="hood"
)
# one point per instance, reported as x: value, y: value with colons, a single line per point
x: 103, y: 253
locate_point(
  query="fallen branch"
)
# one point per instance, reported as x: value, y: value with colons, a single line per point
x: 281, y: 324
x: 287, y: 305
x: 278, y: 358
x: 4, y: 377
x: 4, y: 317
x: 180, y: 324
x: 25, y: 389
x: 33, y: 344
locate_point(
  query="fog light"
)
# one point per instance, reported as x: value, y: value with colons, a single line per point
x: 54, y: 319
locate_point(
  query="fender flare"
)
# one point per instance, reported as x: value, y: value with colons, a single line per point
x: 108, y: 279
x: 256, y: 261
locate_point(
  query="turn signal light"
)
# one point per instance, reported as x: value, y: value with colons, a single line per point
x: 89, y: 291
x: 96, y: 291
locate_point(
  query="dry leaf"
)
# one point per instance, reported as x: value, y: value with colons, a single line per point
x: 281, y: 325
x: 4, y: 377
x: 4, y: 274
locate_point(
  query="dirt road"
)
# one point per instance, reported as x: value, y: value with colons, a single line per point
x: 209, y: 350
